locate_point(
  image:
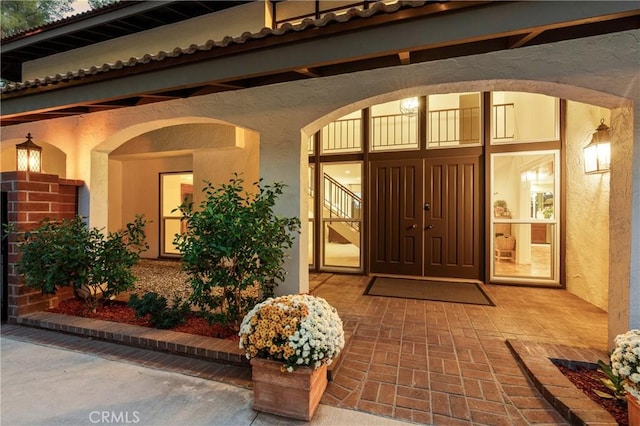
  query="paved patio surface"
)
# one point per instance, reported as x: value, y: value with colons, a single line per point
x: 418, y: 361
x: 449, y: 364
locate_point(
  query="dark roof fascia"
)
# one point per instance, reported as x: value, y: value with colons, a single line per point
x: 80, y: 22
x: 247, y: 43
x: 291, y: 50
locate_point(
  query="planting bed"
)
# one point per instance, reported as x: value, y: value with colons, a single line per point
x: 588, y: 380
x: 118, y: 311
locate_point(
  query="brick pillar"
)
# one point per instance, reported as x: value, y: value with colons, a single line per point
x: 33, y: 197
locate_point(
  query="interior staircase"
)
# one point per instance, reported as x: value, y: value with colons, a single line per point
x: 342, y: 204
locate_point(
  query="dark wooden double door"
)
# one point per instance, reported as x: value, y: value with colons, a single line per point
x: 425, y: 217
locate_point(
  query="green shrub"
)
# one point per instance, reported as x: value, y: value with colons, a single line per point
x: 233, y: 249
x: 160, y: 314
x: 68, y: 253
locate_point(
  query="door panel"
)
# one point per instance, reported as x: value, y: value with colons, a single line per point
x: 397, y: 217
x: 452, y: 246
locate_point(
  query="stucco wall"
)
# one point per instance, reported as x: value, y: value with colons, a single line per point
x: 209, y: 151
x: 230, y: 22
x: 54, y: 160
x: 141, y: 192
x: 587, y: 253
x: 600, y: 70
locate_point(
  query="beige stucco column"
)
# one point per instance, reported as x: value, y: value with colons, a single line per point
x: 283, y: 159
x: 624, y: 222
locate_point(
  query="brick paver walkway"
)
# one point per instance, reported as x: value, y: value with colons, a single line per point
x: 449, y: 364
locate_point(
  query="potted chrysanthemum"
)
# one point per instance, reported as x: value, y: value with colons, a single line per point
x: 290, y: 341
x: 625, y: 363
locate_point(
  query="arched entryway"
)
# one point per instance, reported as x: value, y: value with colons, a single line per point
x: 554, y: 203
x: 145, y: 170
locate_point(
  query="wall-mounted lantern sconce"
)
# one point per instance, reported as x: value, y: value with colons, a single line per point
x: 29, y: 156
x: 597, y: 155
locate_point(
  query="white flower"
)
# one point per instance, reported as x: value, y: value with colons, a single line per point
x: 316, y: 339
x: 624, y: 371
x: 625, y: 360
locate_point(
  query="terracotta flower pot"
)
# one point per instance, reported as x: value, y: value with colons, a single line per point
x: 294, y: 394
x: 633, y: 410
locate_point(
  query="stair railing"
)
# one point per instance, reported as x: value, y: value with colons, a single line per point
x: 341, y: 202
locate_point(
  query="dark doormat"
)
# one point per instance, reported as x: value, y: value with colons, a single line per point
x: 441, y: 291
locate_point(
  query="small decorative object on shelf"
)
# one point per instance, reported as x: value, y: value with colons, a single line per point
x: 290, y: 341
x: 625, y: 363
x: 500, y: 209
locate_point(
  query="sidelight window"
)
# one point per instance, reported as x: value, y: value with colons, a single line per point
x: 525, y: 224
x: 341, y: 197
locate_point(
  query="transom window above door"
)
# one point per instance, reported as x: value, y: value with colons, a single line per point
x: 454, y: 120
x: 343, y: 135
x: 518, y: 117
x: 394, y: 125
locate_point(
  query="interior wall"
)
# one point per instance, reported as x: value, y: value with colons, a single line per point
x: 141, y: 193
x: 587, y: 253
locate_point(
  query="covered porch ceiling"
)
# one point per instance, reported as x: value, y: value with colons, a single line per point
x: 416, y: 32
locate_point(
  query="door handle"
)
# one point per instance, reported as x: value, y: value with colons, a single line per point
x: 414, y: 226
x: 428, y: 227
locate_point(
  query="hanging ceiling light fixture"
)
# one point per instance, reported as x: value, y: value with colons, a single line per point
x: 597, y: 155
x: 29, y: 156
x: 409, y: 106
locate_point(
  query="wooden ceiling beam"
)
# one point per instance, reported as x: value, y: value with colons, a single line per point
x: 153, y: 98
x: 405, y: 58
x: 307, y: 72
x: 213, y: 88
x: 520, y: 40
x: 100, y: 107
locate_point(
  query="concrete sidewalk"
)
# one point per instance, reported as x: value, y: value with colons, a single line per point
x: 44, y: 385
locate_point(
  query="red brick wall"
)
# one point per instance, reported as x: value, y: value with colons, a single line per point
x: 31, y: 198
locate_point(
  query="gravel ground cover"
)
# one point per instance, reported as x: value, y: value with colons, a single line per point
x: 164, y: 277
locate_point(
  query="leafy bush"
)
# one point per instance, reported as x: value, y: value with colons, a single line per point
x: 156, y: 306
x: 68, y: 253
x: 56, y: 254
x: 234, y: 247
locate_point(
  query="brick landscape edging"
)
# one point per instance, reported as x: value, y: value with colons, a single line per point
x: 208, y: 348
x: 536, y: 361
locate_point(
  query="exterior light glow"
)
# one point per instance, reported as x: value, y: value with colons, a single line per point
x: 597, y: 155
x: 29, y: 156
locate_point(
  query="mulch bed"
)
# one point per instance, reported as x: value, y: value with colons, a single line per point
x: 118, y: 311
x: 588, y: 380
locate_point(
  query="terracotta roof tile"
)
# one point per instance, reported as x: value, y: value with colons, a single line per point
x: 306, y: 24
